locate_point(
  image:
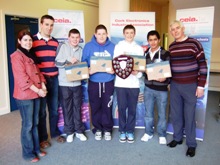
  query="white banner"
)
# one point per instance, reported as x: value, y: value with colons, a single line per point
x: 198, y: 24
x: 65, y: 20
x: 143, y: 23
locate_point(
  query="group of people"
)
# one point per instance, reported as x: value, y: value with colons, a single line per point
x: 39, y: 73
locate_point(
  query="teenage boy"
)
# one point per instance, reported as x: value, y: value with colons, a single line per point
x: 101, y: 84
x: 71, y: 91
x: 45, y: 46
x: 127, y: 90
x: 155, y: 90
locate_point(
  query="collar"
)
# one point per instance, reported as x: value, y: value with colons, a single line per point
x: 185, y: 38
x: 39, y: 36
x: 72, y: 47
x: 154, y: 51
x: 130, y: 43
x: 75, y: 48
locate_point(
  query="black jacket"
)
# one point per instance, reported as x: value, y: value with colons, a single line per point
x: 164, y: 56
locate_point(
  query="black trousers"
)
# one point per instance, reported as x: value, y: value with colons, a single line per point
x: 71, y: 100
x: 100, y: 100
x: 127, y: 103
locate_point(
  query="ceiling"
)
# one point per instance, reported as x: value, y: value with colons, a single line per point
x: 96, y: 2
x: 87, y: 2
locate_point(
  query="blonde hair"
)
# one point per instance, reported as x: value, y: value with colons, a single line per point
x: 177, y: 22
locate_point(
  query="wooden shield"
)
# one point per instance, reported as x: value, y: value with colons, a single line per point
x: 123, y: 65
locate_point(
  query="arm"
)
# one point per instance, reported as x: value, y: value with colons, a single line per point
x: 19, y: 72
x: 76, y: 56
x: 138, y: 74
x: 165, y: 58
x: 43, y: 86
x: 63, y: 57
x: 199, y: 92
x: 40, y: 92
x: 21, y: 77
x: 202, y: 73
x: 111, y: 72
x: 86, y: 55
x: 117, y: 51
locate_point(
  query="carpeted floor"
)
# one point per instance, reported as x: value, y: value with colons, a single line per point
x: 113, y: 152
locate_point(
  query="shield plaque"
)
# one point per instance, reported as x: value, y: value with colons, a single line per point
x: 123, y: 65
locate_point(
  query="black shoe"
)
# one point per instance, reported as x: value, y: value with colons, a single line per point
x: 173, y: 143
x: 191, y: 151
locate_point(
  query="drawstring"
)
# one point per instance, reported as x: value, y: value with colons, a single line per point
x: 100, y: 89
x: 111, y: 100
x: 100, y: 93
x: 145, y: 54
x: 159, y: 54
x: 103, y: 87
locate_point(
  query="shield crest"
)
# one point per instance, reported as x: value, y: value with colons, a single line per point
x: 123, y: 66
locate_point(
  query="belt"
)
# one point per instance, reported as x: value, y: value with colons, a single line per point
x: 47, y: 76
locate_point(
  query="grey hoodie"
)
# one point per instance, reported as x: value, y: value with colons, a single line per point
x: 64, y: 56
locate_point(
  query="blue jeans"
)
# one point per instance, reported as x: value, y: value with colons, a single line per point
x: 150, y: 96
x: 29, y: 110
x: 51, y: 100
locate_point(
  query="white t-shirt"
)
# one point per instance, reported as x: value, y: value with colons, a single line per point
x: 126, y: 48
x: 153, y: 53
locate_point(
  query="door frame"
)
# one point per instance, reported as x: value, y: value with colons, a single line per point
x: 5, y: 107
x: 5, y: 98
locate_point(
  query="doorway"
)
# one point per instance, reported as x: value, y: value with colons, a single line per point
x: 13, y: 25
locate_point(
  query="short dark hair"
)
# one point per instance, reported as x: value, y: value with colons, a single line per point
x: 129, y: 27
x: 22, y: 33
x: 153, y: 33
x: 73, y: 31
x: 100, y: 26
x: 46, y: 16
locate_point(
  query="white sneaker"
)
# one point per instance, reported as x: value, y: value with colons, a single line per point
x: 98, y: 135
x: 162, y: 140
x: 81, y: 136
x: 146, y: 137
x: 69, y: 138
x: 107, y: 136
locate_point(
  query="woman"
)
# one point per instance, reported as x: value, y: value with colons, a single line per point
x: 28, y: 87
